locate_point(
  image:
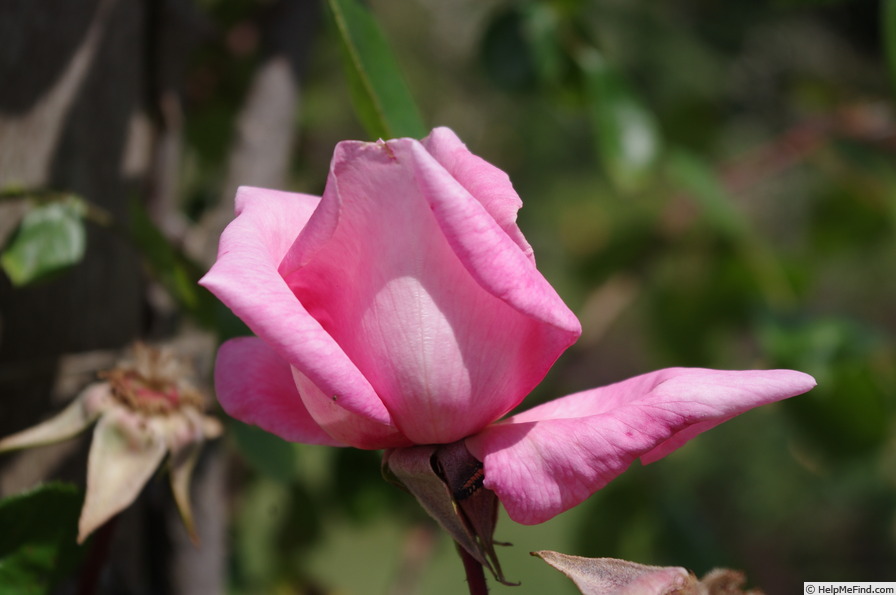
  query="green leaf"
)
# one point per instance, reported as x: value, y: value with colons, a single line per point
x: 717, y: 205
x: 177, y: 273
x: 850, y: 412
x: 626, y: 133
x: 542, y: 27
x: 381, y: 98
x: 705, y: 189
x: 267, y: 453
x: 37, y: 543
x: 50, y: 238
x: 507, y: 54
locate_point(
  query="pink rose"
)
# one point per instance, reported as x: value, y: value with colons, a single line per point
x: 404, y: 307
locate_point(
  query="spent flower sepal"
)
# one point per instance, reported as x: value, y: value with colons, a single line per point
x: 447, y: 482
x: 146, y: 408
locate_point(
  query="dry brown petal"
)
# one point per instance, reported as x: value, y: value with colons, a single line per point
x: 609, y: 576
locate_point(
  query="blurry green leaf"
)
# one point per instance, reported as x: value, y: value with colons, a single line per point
x: 260, y: 520
x: 37, y: 542
x: 381, y: 98
x: 522, y: 47
x: 269, y: 454
x: 359, y: 489
x: 704, y: 187
x: 172, y: 268
x: 718, y: 208
x: 701, y: 295
x: 627, y: 136
x: 51, y: 237
x: 888, y: 23
x: 850, y: 411
x: 542, y: 28
x: 506, y: 54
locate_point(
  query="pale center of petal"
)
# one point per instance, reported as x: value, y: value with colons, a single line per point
x: 421, y: 351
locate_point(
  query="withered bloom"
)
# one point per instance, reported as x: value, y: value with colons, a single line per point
x: 147, y: 408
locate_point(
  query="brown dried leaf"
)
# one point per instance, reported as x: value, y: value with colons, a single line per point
x: 181, y: 465
x: 609, y: 576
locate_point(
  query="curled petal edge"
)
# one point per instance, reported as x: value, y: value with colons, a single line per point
x: 553, y: 457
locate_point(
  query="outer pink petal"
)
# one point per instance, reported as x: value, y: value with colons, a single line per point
x: 551, y: 458
x: 442, y: 312
x: 245, y: 278
x: 342, y: 424
x: 485, y: 182
x: 255, y: 386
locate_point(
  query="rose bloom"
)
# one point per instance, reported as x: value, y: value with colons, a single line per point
x: 404, y: 307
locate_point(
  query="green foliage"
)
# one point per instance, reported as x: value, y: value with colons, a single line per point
x: 627, y: 136
x: 716, y: 205
x: 269, y: 454
x: 888, y: 32
x: 172, y: 268
x: 37, y: 543
x: 381, y: 98
x: 763, y: 234
x: 851, y: 411
x: 510, y: 57
x: 50, y: 238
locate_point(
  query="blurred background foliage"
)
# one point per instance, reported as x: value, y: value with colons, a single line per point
x: 706, y: 184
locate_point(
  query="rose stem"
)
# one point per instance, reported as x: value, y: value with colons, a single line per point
x: 99, y: 552
x: 475, y: 573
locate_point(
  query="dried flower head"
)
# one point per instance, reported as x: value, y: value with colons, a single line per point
x: 146, y: 407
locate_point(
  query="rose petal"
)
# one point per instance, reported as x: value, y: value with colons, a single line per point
x: 246, y: 279
x: 255, y: 385
x: 485, y: 182
x: 450, y: 339
x: 551, y: 458
x: 342, y: 424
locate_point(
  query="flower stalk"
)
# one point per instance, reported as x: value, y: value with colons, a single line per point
x: 474, y: 571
